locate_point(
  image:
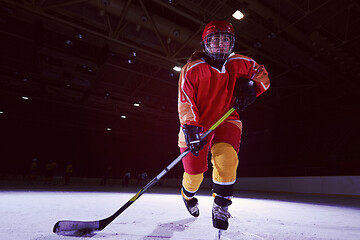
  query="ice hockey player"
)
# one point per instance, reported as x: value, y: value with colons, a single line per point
x: 214, y: 80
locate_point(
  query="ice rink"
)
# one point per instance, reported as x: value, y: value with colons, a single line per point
x: 29, y: 213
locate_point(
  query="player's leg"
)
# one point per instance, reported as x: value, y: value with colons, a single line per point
x: 194, y: 167
x: 225, y: 145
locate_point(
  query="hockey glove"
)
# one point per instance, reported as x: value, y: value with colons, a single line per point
x: 192, y: 138
x: 245, y: 93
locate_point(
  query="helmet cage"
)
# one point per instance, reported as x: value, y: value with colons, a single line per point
x: 214, y: 44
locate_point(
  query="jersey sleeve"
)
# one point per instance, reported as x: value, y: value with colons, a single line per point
x: 250, y: 69
x: 188, y: 82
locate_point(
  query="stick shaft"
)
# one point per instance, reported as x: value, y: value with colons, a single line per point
x: 101, y: 224
x: 166, y: 170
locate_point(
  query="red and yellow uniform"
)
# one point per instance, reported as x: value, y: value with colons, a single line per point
x: 205, y: 95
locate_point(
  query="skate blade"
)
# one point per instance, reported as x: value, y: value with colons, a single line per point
x: 219, y: 235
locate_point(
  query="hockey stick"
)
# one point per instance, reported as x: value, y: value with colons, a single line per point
x: 80, y: 228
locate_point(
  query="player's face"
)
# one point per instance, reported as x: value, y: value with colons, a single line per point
x: 220, y: 43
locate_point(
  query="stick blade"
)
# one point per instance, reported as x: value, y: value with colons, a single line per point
x: 76, y: 228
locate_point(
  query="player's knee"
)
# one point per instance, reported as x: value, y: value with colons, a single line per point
x: 192, y: 182
x: 225, y: 162
x: 224, y: 155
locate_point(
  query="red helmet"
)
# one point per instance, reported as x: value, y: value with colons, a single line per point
x: 217, y: 26
x: 218, y: 40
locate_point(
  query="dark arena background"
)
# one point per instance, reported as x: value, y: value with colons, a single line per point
x: 82, y: 65
x: 88, y: 116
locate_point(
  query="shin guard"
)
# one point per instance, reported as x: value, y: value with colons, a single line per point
x: 191, y: 184
x: 225, y: 162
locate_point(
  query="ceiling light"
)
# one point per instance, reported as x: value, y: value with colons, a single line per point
x: 272, y: 35
x: 123, y: 116
x: 257, y: 45
x: 1, y: 112
x: 238, y: 15
x: 69, y: 42
x: 129, y: 61
x: 176, y: 68
x: 108, y: 129
x: 79, y: 36
x: 137, y: 104
x: 25, y: 98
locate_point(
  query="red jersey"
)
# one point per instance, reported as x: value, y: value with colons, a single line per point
x: 206, y: 94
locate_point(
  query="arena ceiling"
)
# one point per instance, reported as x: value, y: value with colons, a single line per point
x: 85, y: 63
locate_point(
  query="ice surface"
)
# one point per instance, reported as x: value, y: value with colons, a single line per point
x: 31, y: 215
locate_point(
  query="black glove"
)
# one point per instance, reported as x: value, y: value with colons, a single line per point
x: 192, y: 138
x: 245, y: 93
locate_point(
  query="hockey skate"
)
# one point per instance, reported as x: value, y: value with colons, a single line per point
x: 192, y: 206
x: 220, y: 214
